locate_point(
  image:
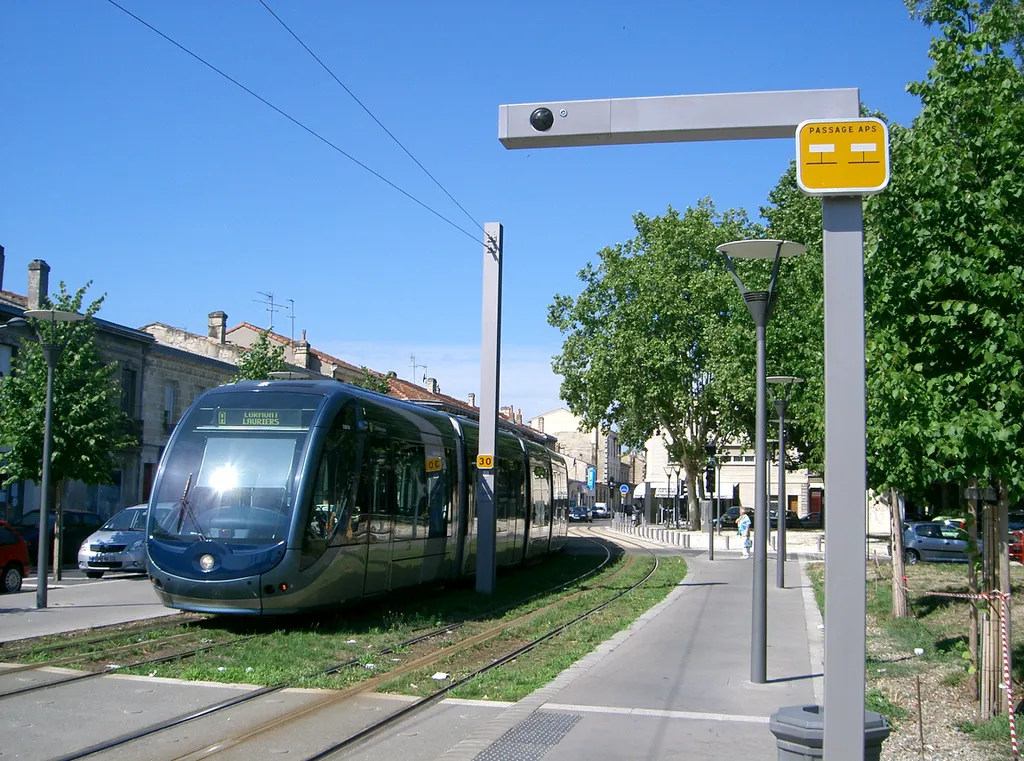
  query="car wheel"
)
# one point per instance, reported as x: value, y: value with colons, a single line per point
x: 11, y: 579
x: 911, y: 557
x: 94, y: 574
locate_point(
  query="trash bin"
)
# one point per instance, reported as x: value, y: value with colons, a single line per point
x: 800, y: 731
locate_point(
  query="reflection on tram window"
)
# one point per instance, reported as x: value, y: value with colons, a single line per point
x: 410, y: 490
x: 541, y: 492
x: 374, y: 503
x: 330, y: 518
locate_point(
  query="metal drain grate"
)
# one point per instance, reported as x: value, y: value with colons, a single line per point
x: 532, y: 739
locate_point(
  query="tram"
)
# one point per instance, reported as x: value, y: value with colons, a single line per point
x: 279, y: 497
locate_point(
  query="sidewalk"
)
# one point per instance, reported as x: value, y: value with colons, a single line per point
x: 675, y: 685
x: 800, y: 544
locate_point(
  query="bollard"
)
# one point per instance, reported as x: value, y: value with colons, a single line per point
x: 821, y: 539
x: 727, y: 542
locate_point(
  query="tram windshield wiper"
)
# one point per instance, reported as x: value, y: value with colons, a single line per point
x: 185, y: 507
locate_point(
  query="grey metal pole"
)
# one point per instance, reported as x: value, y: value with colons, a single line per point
x: 780, y: 562
x: 490, y: 382
x: 759, y: 624
x: 711, y: 519
x: 845, y: 479
x: 52, y: 356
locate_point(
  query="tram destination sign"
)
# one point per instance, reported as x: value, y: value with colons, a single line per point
x: 226, y: 418
x: 842, y: 157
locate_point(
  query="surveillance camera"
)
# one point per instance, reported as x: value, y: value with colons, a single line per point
x: 542, y: 119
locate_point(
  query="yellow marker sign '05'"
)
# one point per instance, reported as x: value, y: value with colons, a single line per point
x: 842, y: 157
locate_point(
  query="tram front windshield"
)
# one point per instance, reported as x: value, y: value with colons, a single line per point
x: 232, y: 470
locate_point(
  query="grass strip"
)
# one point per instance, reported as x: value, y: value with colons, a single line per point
x: 536, y: 668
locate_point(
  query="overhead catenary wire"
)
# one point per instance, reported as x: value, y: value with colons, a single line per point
x: 369, y: 113
x: 297, y: 123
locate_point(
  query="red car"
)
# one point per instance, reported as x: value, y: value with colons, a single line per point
x: 14, y: 560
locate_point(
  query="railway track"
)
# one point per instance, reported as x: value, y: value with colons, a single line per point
x: 356, y: 689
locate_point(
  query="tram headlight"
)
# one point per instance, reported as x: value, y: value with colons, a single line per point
x: 206, y: 562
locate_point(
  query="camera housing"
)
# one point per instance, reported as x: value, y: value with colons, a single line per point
x: 542, y: 119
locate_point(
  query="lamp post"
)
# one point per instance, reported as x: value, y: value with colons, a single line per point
x: 51, y: 353
x: 711, y: 450
x: 781, y: 402
x: 675, y: 505
x: 668, y: 486
x: 760, y: 304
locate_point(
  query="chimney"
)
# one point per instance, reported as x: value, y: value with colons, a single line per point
x: 301, y: 349
x: 38, y: 283
x: 540, y: 424
x: 519, y: 416
x: 216, y: 327
x: 472, y: 400
x: 1, y: 267
x: 432, y: 386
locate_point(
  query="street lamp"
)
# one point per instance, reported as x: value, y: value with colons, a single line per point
x: 668, y: 487
x: 760, y: 305
x: 51, y: 353
x: 781, y: 402
x: 675, y: 503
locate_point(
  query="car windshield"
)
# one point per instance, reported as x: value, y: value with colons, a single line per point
x: 232, y: 469
x: 125, y: 520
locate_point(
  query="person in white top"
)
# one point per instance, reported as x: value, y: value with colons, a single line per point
x: 743, y: 529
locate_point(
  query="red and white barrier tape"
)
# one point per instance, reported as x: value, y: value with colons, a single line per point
x: 1004, y: 612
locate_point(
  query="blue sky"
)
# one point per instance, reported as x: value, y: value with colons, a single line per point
x: 128, y: 163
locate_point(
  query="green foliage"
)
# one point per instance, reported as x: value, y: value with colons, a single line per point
x: 373, y: 381
x: 877, y: 701
x: 993, y: 729
x: 260, y: 360
x: 945, y: 310
x: 642, y: 340
x: 88, y: 424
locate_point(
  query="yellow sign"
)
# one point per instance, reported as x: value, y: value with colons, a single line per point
x: 433, y: 464
x: 485, y: 461
x: 842, y: 157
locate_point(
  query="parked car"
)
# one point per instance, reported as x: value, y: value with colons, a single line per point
x: 792, y: 519
x: 578, y: 514
x: 78, y: 524
x: 15, y: 562
x: 600, y: 510
x: 934, y: 541
x: 811, y: 520
x: 729, y: 518
x: 118, y: 545
x: 950, y: 521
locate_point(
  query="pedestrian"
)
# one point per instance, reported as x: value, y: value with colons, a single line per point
x: 743, y: 529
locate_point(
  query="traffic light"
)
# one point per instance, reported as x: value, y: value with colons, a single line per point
x: 709, y: 476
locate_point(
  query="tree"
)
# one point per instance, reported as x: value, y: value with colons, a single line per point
x: 945, y: 311
x: 260, y: 360
x: 89, y: 427
x: 373, y: 381
x: 639, y: 341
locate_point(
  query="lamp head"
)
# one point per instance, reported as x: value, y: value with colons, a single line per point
x: 785, y: 380
x: 761, y: 249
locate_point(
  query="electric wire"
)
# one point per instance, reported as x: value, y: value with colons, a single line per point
x: 296, y: 122
x: 369, y: 113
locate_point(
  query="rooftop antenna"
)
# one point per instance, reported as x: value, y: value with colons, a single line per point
x: 291, y: 316
x: 268, y: 300
x: 412, y: 359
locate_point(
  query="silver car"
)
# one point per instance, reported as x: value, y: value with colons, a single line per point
x: 935, y: 541
x: 118, y: 545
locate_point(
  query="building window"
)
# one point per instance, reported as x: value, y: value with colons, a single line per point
x: 129, y: 391
x: 170, y: 417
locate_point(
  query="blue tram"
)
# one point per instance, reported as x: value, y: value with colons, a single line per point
x: 279, y: 497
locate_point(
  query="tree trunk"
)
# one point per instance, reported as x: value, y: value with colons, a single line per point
x: 899, y: 591
x: 692, y: 497
x: 972, y: 584
x: 58, y: 532
x: 991, y: 703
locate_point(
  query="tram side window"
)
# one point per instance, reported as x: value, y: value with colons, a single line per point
x: 439, y: 487
x: 541, y: 493
x: 375, y: 503
x: 560, y: 484
x: 411, y: 491
x: 510, y: 502
x: 330, y: 516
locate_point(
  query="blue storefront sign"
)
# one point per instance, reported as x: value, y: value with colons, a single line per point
x: 591, y: 477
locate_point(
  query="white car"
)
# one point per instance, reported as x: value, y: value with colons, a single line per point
x: 117, y: 545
